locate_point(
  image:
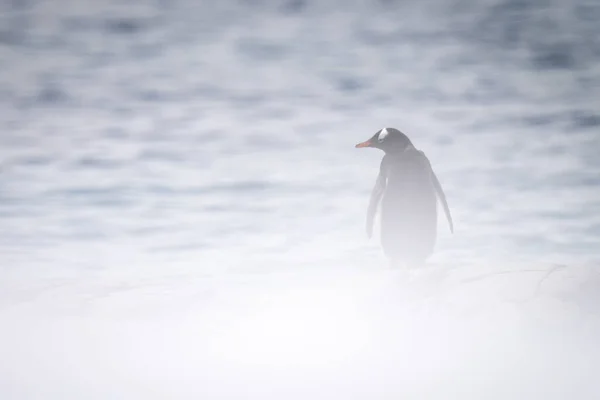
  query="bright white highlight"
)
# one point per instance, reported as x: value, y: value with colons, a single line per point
x: 383, y: 134
x: 297, y: 329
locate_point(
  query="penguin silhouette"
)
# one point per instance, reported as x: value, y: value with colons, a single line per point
x: 407, y: 188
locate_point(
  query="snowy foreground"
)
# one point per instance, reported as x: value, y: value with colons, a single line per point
x: 461, y: 333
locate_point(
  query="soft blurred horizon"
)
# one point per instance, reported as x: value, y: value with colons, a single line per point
x: 182, y: 206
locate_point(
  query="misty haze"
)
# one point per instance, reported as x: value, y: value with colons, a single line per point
x: 183, y: 211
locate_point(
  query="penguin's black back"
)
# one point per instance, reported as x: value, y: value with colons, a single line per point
x: 409, y: 208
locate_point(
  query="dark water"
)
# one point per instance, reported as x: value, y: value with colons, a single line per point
x: 167, y: 159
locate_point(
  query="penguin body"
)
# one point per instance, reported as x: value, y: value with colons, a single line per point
x: 408, y: 190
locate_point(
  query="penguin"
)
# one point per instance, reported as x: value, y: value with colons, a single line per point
x: 408, y: 190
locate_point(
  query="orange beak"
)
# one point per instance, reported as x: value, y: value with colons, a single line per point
x: 363, y: 144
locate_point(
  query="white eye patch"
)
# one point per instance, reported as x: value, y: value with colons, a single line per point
x: 382, y: 135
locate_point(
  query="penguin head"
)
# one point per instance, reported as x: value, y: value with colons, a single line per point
x: 389, y: 140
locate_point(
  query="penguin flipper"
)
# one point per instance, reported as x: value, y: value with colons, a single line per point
x: 376, y: 195
x: 442, y: 197
x: 373, y: 204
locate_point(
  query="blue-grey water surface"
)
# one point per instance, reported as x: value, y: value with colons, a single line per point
x: 182, y: 207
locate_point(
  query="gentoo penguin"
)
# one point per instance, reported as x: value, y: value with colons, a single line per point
x: 409, y: 187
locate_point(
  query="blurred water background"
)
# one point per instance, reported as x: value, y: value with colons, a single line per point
x: 182, y: 207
